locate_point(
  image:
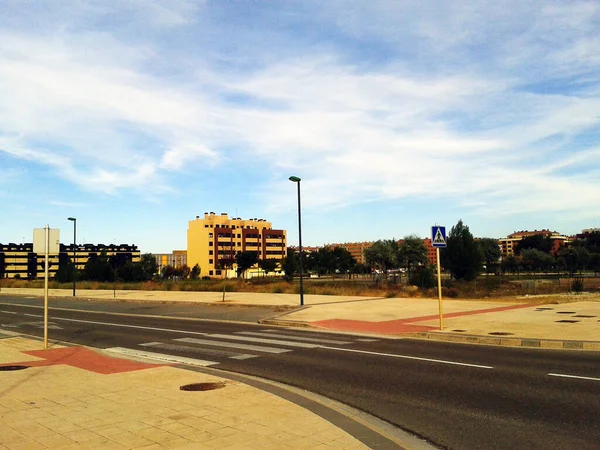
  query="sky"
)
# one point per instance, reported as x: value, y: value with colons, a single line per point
x: 136, y: 116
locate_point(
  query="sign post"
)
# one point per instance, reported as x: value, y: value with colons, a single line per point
x: 438, y: 240
x: 46, y: 241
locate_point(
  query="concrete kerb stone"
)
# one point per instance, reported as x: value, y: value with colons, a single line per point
x: 508, y: 342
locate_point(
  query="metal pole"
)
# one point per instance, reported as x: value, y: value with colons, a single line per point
x: 300, y: 246
x: 46, y: 251
x: 439, y: 274
x: 74, y: 254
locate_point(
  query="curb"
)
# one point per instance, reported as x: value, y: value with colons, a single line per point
x: 556, y: 344
x: 506, y: 341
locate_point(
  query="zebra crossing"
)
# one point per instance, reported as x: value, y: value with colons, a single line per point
x: 211, y: 349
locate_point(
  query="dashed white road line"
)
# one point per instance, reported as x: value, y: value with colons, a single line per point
x: 161, y: 357
x: 562, y: 375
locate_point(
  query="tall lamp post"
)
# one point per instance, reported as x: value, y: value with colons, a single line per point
x: 297, y: 181
x: 74, y: 220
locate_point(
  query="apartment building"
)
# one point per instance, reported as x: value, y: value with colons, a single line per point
x: 356, y: 249
x: 176, y: 259
x: 213, y: 242
x: 509, y: 244
x: 21, y: 262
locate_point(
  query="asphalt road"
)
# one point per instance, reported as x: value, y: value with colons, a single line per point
x: 455, y: 395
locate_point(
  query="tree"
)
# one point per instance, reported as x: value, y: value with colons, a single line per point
x: 245, y: 260
x: 491, y: 253
x: 344, y: 262
x: 537, y: 242
x: 148, y: 265
x: 534, y: 259
x: 412, y: 252
x: 195, y: 272
x: 462, y: 256
x: 268, y: 265
x: 574, y: 258
x: 98, y: 268
x: 510, y: 264
x: 382, y: 255
x: 290, y: 264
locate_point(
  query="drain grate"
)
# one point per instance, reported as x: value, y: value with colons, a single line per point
x: 460, y: 331
x: 202, y: 386
x: 566, y: 312
x: 501, y: 333
x: 11, y: 368
x: 583, y: 315
x: 543, y: 309
x: 567, y: 321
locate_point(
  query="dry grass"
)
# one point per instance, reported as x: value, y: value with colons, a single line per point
x: 483, y: 287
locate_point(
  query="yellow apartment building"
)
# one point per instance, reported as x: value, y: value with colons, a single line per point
x: 213, y: 242
x: 176, y: 259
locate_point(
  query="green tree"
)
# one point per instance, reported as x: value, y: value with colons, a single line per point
x: 412, y: 253
x: 537, y: 242
x: 195, y: 272
x: 268, y: 265
x: 290, y: 264
x: 344, y: 262
x: 461, y: 256
x: 510, y: 264
x: 533, y: 259
x: 383, y: 255
x: 491, y: 253
x: 245, y: 260
x: 148, y: 266
x: 574, y: 258
x: 98, y: 268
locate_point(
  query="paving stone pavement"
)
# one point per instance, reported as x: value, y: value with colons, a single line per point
x: 72, y: 397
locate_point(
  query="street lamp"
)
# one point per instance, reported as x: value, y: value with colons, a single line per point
x: 297, y: 180
x: 74, y: 220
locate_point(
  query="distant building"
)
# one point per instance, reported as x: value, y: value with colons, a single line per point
x: 213, y: 242
x: 356, y: 249
x: 509, y: 244
x: 176, y: 259
x: 21, y: 262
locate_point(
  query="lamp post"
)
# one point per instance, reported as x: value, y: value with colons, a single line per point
x: 74, y: 220
x: 297, y: 180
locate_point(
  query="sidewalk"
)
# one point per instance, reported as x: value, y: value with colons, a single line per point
x: 74, y: 397
x: 560, y: 322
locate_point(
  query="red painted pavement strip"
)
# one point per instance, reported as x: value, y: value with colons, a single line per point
x: 402, y: 325
x: 86, y: 359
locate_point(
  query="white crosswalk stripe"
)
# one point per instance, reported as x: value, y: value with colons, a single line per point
x: 262, y: 341
x: 243, y: 345
x: 237, y: 345
x: 295, y: 338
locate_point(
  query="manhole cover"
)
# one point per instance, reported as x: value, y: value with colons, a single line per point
x: 501, y: 333
x: 567, y: 321
x: 565, y: 312
x: 583, y: 315
x: 203, y: 386
x: 543, y: 309
x: 460, y: 331
x: 9, y: 368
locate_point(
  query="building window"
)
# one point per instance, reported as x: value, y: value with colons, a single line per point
x: 210, y: 252
x: 210, y: 235
x: 210, y: 272
x: 210, y: 244
x: 218, y: 272
x: 210, y: 261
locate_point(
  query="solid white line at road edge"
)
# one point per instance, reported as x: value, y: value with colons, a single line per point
x: 441, y: 361
x: 562, y: 375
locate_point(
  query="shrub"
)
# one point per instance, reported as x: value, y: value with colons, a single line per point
x: 577, y: 285
x: 449, y: 292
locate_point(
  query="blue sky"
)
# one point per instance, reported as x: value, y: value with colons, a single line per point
x: 136, y: 116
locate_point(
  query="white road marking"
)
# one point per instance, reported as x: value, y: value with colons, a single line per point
x: 573, y: 376
x: 294, y: 338
x: 161, y: 357
x: 187, y: 348
x: 33, y: 315
x: 392, y: 355
x: 235, y: 345
x: 263, y: 341
x: 367, y: 340
x: 139, y: 327
x: 9, y: 312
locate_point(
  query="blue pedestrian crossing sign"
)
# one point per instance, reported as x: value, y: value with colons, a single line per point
x: 438, y: 236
